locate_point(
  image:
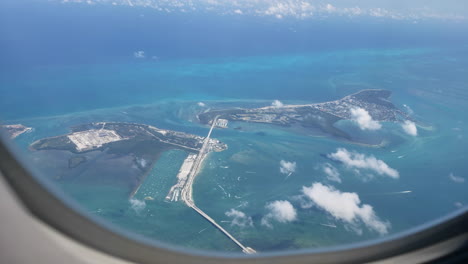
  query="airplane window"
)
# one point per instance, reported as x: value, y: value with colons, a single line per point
x: 242, y: 126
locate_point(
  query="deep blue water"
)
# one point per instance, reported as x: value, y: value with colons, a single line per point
x: 45, y: 44
x: 63, y: 65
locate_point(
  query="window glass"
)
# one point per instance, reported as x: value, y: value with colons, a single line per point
x: 243, y: 126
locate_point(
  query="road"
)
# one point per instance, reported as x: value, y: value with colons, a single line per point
x: 186, y: 193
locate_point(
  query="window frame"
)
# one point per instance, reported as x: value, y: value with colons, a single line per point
x: 443, y: 236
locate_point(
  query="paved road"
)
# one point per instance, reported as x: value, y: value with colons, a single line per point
x: 187, y: 190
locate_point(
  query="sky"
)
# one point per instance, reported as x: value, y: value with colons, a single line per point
x: 302, y: 9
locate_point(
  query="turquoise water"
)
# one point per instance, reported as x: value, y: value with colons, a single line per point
x: 246, y: 177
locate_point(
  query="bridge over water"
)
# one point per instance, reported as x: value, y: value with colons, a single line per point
x: 187, y: 190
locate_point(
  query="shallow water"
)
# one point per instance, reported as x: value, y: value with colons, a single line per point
x: 246, y: 177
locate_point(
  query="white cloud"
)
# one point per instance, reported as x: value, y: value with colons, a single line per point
x: 456, y: 179
x: 239, y: 218
x: 410, y: 128
x: 345, y: 206
x: 330, y: 8
x: 353, y: 11
x: 378, y: 12
x: 408, y: 109
x: 139, y: 54
x: 287, y: 167
x: 137, y: 205
x: 280, y: 211
x: 303, y: 201
x: 364, y: 119
x: 280, y: 9
x: 331, y: 172
x: 142, y: 162
x: 277, y: 103
x: 201, y: 104
x: 360, y: 161
x: 299, y: 9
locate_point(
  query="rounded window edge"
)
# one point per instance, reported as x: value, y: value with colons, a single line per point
x: 449, y: 232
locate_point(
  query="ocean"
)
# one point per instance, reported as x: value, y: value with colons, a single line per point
x: 74, y: 67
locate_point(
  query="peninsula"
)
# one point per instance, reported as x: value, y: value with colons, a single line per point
x: 320, y: 115
x: 142, y: 142
x: 15, y: 130
x: 117, y: 136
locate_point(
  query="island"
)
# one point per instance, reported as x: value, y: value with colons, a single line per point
x: 118, y: 136
x: 320, y: 115
x: 145, y: 142
x: 142, y: 142
x: 15, y: 130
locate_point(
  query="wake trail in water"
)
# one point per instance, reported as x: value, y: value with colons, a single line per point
x: 223, y: 190
x: 329, y: 225
x: 388, y: 193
